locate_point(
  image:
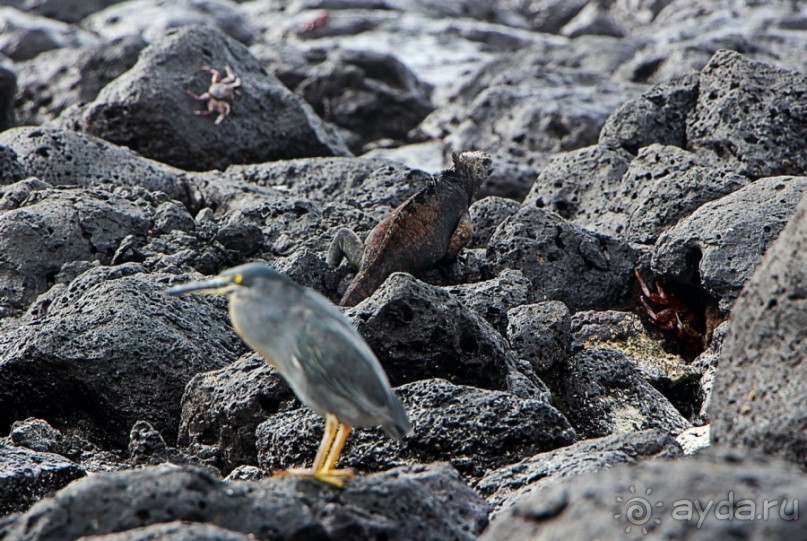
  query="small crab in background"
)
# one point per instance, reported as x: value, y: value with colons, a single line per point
x: 674, y: 315
x: 220, y: 89
x: 320, y: 20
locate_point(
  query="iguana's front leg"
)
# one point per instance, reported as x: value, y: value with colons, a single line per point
x: 348, y: 245
x: 460, y: 237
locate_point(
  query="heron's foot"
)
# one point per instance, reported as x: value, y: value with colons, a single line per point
x: 335, y: 478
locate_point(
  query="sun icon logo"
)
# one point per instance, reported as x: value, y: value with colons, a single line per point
x: 638, y: 510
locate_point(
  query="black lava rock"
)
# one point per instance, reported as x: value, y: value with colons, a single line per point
x: 376, y: 506
x: 474, y: 429
x: 758, y: 401
x: 564, y: 262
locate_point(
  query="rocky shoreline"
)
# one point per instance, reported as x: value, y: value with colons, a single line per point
x: 619, y: 352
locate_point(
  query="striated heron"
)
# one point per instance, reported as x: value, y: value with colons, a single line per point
x: 314, y: 347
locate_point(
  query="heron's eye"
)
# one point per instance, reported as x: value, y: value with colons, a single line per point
x: 238, y: 278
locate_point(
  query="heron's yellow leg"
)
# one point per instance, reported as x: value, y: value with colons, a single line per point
x: 327, y: 473
x: 336, y: 449
x: 331, y: 424
x: 331, y: 428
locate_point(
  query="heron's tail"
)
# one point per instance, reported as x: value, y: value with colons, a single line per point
x: 399, y: 424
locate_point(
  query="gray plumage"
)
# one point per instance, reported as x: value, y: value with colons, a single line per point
x: 312, y: 344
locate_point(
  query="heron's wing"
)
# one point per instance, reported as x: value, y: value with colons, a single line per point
x: 333, y: 354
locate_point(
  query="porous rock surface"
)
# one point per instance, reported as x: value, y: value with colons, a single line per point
x: 602, y: 392
x: 664, y: 137
x: 564, y: 262
x: 27, y: 476
x: 280, y: 508
x: 719, y: 245
x: 588, y: 505
x: 52, y: 227
x: 498, y: 428
x: 139, y: 108
x: 369, y: 95
x: 112, y: 327
x: 749, y: 116
x: 222, y: 408
x: 440, y: 338
x: 509, y: 484
x: 759, y: 393
x: 68, y: 158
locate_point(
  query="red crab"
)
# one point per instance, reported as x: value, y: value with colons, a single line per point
x: 221, y: 88
x: 317, y: 22
x: 674, y: 315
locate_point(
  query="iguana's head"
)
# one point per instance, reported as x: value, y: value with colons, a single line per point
x: 472, y: 168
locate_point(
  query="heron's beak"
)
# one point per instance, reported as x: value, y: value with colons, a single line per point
x: 214, y: 286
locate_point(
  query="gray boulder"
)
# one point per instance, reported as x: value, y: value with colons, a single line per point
x: 13, y: 196
x: 299, y: 205
x: 486, y: 214
x: 707, y: 363
x: 594, y: 18
x: 664, y: 184
x: 523, y: 112
x: 381, y: 505
x: 626, y: 334
x: 657, y: 116
x: 310, y: 269
x: 11, y: 170
x: 420, y: 331
x: 148, y: 109
x: 493, y: 299
x: 597, y: 189
x: 25, y: 35
x: 146, y: 445
x: 53, y: 227
x: 759, y: 401
x: 719, y: 245
x: 375, y: 186
x: 150, y: 19
x: 748, y: 116
x: 663, y: 61
x: 400, y: 30
x: 39, y: 435
x: 474, y: 429
x: 67, y: 158
x: 664, y: 500
x: 579, y: 185
x: 221, y: 410
x: 69, y: 11
x: 56, y: 80
x: 509, y: 484
x: 540, y: 334
x: 603, y: 393
x: 110, y: 349
x: 682, y: 35
x: 549, y: 15
x: 368, y: 94
x: 179, y: 242
x: 27, y: 476
x: 564, y: 262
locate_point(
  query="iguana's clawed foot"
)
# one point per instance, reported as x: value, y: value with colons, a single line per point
x: 348, y: 245
x: 335, y: 478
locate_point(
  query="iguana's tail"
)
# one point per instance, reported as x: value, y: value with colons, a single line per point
x: 362, y: 286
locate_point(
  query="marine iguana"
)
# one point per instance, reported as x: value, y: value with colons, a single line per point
x: 430, y: 227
